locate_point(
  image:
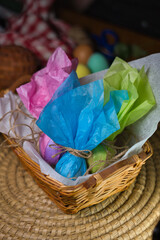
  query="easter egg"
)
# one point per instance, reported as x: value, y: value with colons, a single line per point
x: 46, y: 151
x: 97, y: 62
x: 100, y: 158
x: 83, y: 52
x: 97, y: 160
x: 82, y: 70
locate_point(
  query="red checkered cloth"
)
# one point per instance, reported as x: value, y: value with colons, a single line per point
x: 38, y: 30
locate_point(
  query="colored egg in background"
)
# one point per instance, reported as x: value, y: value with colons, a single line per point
x: 83, y: 52
x: 97, y: 62
x: 82, y: 70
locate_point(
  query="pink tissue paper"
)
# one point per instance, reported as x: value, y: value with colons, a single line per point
x: 37, y: 93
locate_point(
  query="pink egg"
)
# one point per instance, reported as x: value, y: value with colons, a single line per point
x: 46, y: 151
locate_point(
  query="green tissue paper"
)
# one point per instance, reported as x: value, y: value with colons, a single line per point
x: 141, y: 99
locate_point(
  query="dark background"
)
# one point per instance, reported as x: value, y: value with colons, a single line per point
x: 138, y: 15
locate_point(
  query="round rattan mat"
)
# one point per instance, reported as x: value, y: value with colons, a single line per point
x: 27, y: 213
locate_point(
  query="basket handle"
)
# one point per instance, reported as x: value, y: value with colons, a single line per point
x: 134, y: 161
x: 146, y: 153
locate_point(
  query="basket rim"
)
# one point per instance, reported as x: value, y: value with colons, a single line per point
x: 134, y: 160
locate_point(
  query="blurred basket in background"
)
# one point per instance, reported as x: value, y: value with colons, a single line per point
x: 16, y: 61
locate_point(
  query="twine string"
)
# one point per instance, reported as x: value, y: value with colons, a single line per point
x: 94, y: 165
x: 78, y: 153
x: 109, y: 159
x: 87, y: 154
x: 111, y: 145
x: 32, y: 137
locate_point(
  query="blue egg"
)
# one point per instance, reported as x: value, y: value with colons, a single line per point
x: 97, y: 62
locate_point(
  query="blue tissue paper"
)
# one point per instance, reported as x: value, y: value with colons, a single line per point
x: 70, y: 82
x: 78, y: 119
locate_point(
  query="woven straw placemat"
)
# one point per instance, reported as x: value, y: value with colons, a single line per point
x: 27, y: 213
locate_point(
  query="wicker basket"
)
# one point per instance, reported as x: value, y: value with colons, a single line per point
x: 97, y: 188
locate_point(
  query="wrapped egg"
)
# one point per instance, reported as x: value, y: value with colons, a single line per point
x: 83, y: 52
x: 97, y: 160
x: 100, y: 158
x: 46, y: 151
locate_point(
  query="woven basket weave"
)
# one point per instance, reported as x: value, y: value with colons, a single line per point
x: 97, y: 188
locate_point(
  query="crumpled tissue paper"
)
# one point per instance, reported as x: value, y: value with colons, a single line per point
x: 38, y: 92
